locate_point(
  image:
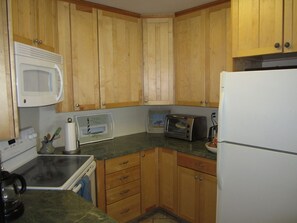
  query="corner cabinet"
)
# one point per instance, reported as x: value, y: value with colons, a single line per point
x: 158, y: 61
x: 197, y: 186
x: 8, y: 112
x: 80, y: 52
x: 120, y: 56
x: 264, y: 27
x: 202, y: 51
x: 35, y: 23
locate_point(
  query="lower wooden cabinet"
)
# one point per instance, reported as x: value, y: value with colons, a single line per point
x: 118, y: 187
x: 196, y: 190
x: 149, y: 179
x: 182, y: 184
x: 168, y: 179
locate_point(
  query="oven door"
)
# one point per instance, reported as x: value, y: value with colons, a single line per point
x: 85, y: 185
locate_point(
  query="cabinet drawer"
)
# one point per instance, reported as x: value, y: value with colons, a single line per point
x: 122, y: 177
x: 121, y: 163
x: 126, y: 209
x: 122, y: 192
x: 197, y: 163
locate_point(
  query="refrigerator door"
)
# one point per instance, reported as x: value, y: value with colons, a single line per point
x: 256, y: 185
x: 258, y: 108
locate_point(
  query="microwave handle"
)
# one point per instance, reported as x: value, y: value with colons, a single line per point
x: 61, y: 82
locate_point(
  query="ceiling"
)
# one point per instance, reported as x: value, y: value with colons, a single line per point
x: 152, y: 7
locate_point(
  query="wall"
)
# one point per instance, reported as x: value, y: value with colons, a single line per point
x: 127, y: 120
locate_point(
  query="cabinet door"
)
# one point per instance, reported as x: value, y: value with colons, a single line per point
x: 207, y: 198
x: 158, y: 61
x: 8, y: 111
x: 84, y: 45
x: 35, y: 23
x: 187, y: 199
x: 64, y: 37
x: 290, y: 26
x: 218, y: 50
x: 190, y: 59
x: 24, y: 21
x: 120, y: 55
x: 168, y: 179
x: 149, y: 179
x: 47, y: 24
x: 257, y: 27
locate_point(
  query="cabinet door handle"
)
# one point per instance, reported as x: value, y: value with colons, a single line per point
x: 276, y: 45
x: 124, y: 163
x: 287, y: 44
x: 124, y: 192
x: 124, y: 178
x: 196, y: 177
x: 125, y: 211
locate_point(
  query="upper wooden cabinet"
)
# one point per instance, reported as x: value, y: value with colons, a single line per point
x: 202, y: 51
x: 84, y: 46
x: 120, y: 56
x: 259, y: 27
x: 78, y: 43
x: 190, y: 59
x: 158, y: 61
x: 35, y: 23
x: 8, y: 112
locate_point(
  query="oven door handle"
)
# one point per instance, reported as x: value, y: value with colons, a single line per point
x: 88, y: 174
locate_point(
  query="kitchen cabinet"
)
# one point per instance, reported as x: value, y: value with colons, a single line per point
x: 168, y: 179
x: 80, y: 52
x: 264, y: 27
x: 120, y: 56
x: 158, y: 61
x: 8, y: 112
x: 202, y: 51
x: 196, y: 189
x: 190, y: 59
x: 35, y: 23
x: 218, y: 50
x: 149, y: 179
x: 118, y: 187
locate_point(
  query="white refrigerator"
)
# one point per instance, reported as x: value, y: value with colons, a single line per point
x: 257, y: 147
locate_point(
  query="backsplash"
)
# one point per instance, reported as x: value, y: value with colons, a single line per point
x: 128, y: 120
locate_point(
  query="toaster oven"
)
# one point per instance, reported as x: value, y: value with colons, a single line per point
x: 186, y: 127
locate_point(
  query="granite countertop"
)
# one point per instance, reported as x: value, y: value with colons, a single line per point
x: 59, y: 206
x: 141, y: 141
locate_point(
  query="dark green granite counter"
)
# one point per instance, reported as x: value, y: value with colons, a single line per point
x: 58, y: 207
x: 141, y: 141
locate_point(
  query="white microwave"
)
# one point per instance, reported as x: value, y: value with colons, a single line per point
x: 39, y: 76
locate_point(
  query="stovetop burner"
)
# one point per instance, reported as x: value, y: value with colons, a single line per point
x: 50, y: 170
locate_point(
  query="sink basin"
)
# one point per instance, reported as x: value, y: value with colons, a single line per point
x: 211, y: 149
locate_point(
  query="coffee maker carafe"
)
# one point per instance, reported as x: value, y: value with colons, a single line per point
x: 11, y: 187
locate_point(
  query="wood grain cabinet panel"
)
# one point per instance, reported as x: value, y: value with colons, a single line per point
x: 35, y: 23
x: 263, y: 27
x: 202, y: 51
x: 168, y: 179
x: 121, y: 163
x: 8, y: 112
x: 84, y: 58
x: 149, y: 179
x: 158, y: 61
x: 120, y: 55
x: 197, y: 186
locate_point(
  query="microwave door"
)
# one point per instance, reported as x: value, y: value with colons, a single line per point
x: 38, y: 84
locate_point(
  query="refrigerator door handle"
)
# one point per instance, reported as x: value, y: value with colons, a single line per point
x: 221, y: 107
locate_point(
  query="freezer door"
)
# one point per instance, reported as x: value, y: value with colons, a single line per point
x: 256, y: 185
x: 258, y: 108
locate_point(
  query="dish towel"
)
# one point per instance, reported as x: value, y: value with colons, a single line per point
x: 85, y: 190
